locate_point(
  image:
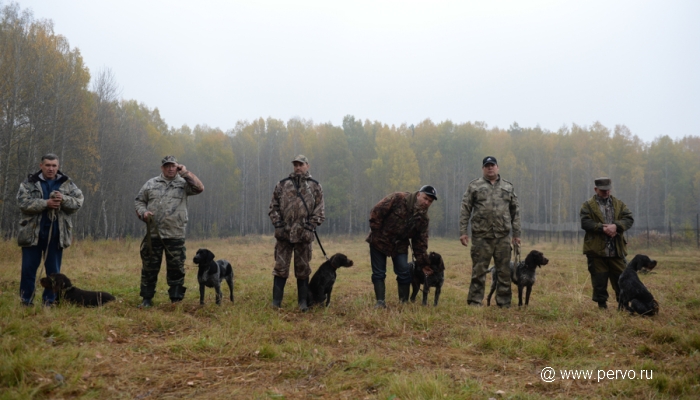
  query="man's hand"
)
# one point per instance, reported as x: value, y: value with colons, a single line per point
x: 464, y: 239
x: 181, y: 169
x: 516, y: 240
x: 427, y: 271
x: 55, y: 199
x: 147, y: 215
x: 610, y: 229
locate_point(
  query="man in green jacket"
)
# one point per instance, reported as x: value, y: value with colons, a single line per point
x: 605, y: 219
x: 162, y: 203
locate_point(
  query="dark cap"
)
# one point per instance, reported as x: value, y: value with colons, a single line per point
x: 301, y: 158
x: 430, y: 191
x: 168, y: 160
x: 603, y: 183
x: 489, y: 160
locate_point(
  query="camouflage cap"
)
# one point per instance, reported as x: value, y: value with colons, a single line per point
x: 301, y: 158
x: 603, y: 183
x: 168, y: 160
x: 489, y: 160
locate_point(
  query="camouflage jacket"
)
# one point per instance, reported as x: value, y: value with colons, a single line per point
x: 395, y: 220
x: 493, y: 209
x: 287, y: 211
x: 30, y: 199
x: 592, y: 221
x: 167, y: 200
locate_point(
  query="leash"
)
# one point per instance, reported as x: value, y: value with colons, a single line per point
x: 307, y: 218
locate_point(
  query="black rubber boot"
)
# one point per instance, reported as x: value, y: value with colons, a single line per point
x: 176, y: 293
x: 278, y: 291
x: 303, y: 289
x: 404, y: 288
x: 146, y: 303
x: 379, y: 293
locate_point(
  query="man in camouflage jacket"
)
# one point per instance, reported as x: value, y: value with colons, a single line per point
x: 396, y: 219
x: 296, y: 209
x: 46, y: 200
x: 492, y: 205
x: 605, y: 219
x: 162, y: 203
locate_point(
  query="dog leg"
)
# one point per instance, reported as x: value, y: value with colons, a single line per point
x: 527, y: 295
x: 520, y: 296
x: 493, y: 289
x: 437, y: 295
x: 219, y: 295
x: 229, y: 282
x: 414, y: 291
x: 201, y: 293
x: 328, y: 296
x: 426, y: 291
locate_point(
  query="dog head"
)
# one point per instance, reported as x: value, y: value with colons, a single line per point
x: 340, y: 260
x: 435, y: 262
x: 203, y: 257
x: 642, y: 262
x: 536, y: 258
x: 56, y: 283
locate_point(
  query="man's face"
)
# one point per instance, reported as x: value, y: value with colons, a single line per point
x: 49, y: 168
x: 169, y: 170
x: 300, y: 168
x: 490, y: 171
x: 424, y: 201
x: 603, y: 194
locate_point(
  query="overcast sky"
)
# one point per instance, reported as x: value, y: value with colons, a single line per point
x: 546, y: 63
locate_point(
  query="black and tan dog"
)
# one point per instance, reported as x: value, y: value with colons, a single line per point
x: 634, y: 296
x: 435, y: 279
x: 211, y: 273
x: 322, y: 282
x: 522, y: 275
x: 60, y: 285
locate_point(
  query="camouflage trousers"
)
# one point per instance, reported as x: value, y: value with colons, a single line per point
x: 174, y: 262
x: 603, y: 269
x: 482, y: 251
x: 283, y: 258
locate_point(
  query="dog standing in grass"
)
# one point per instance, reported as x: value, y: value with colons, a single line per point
x: 435, y: 278
x: 211, y: 273
x: 522, y: 274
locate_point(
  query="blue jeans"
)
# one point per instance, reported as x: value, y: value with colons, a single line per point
x: 31, y: 260
x: 401, y: 269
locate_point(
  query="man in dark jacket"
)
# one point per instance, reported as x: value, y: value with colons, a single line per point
x: 46, y: 200
x: 296, y: 209
x: 396, y: 219
x: 605, y: 219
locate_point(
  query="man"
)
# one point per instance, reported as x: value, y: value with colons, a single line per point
x: 46, y: 199
x: 492, y: 205
x: 296, y: 209
x: 396, y: 219
x: 605, y: 219
x: 162, y: 204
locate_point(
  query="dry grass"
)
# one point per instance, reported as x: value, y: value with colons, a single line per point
x: 349, y: 350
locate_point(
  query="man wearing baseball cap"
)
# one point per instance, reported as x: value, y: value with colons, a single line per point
x: 605, y: 219
x: 162, y: 204
x: 492, y: 205
x: 296, y: 209
x: 396, y: 219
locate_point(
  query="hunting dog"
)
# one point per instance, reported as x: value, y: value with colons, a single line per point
x: 322, y: 282
x: 634, y: 296
x: 211, y: 273
x: 435, y: 279
x: 522, y: 275
x: 64, y: 290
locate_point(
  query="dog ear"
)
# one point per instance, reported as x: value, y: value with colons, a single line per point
x: 208, y: 256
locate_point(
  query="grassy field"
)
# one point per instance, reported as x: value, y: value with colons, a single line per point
x: 349, y: 350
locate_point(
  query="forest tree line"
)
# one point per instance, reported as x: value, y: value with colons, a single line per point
x: 49, y: 102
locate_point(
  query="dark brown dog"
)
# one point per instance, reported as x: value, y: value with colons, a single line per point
x: 64, y: 290
x: 322, y: 282
x: 435, y: 279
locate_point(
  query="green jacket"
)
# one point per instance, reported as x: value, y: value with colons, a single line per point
x: 493, y: 209
x: 592, y: 221
x: 30, y: 199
